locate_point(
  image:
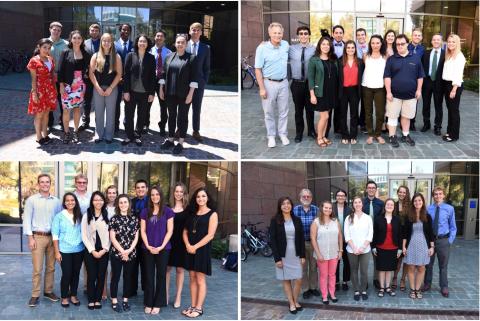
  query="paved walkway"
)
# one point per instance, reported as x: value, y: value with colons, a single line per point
x: 15, y: 284
x: 220, y: 128
x: 428, y: 146
x: 259, y: 283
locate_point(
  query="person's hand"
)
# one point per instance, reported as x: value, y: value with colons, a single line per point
x: 390, y: 97
x: 302, y: 260
x: 126, y: 96
x: 125, y: 256
x: 62, y: 89
x: 374, y: 251
x: 100, y: 91
x: 320, y: 258
x: 418, y: 94
x: 191, y: 249
x: 404, y: 251
x: 339, y: 256
x: 95, y: 254
x: 58, y: 257
x: 279, y: 264
x: 399, y: 252
x: 189, y: 98
x: 430, y: 251
x: 313, y: 100
x: 263, y: 93
x: 150, y: 98
x: 162, y: 94
x: 35, y: 97
x: 453, y: 93
x: 32, y: 244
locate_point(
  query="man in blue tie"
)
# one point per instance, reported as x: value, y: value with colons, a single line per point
x: 444, y: 230
x: 122, y: 46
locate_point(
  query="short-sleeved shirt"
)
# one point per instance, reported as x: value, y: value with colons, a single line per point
x: 125, y: 228
x: 156, y: 228
x: 272, y: 60
x: 404, y: 72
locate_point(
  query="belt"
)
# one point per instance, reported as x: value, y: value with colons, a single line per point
x: 444, y: 236
x: 42, y: 233
x: 299, y: 80
x: 276, y: 80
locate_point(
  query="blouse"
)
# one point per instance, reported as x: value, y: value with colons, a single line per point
x: 68, y: 234
x: 156, y: 227
x: 350, y: 75
x: 388, y: 243
x: 327, y: 239
x: 125, y: 228
x: 359, y: 231
x: 373, y: 73
x: 453, y: 69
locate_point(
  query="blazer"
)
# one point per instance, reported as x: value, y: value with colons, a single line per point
x: 396, y: 211
x: 132, y: 66
x: 89, y: 46
x: 67, y: 66
x: 316, y: 75
x: 426, y: 67
x: 380, y: 231
x: 377, y: 207
x: 203, y: 62
x: 187, y: 75
x: 119, y: 49
x: 361, y: 68
x: 427, y: 231
x: 278, y: 239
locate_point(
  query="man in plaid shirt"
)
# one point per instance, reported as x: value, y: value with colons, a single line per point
x: 307, y: 212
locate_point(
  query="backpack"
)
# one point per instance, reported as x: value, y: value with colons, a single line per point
x: 230, y: 261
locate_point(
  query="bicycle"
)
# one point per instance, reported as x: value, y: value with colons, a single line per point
x: 254, y: 241
x: 13, y: 59
x: 248, y: 74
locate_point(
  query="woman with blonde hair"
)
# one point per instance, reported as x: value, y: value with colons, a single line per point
x: 452, y: 85
x: 105, y: 73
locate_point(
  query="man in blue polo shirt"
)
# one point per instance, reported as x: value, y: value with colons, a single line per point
x: 271, y: 60
x: 444, y: 230
x: 403, y: 82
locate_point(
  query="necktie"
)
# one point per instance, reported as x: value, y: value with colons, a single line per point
x: 435, y: 220
x: 159, y: 63
x: 125, y: 49
x: 433, y: 74
x: 194, y: 51
x: 371, y: 209
x: 303, y: 63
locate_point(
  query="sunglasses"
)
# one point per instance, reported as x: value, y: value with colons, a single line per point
x: 303, y: 34
x: 401, y: 44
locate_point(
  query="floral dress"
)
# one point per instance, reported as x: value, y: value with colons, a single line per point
x: 74, y: 94
x: 46, y: 91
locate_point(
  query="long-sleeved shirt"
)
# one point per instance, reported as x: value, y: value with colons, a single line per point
x: 68, y: 234
x: 361, y: 49
x: 83, y: 201
x: 39, y: 212
x: 377, y: 207
x: 359, y: 231
x: 338, y: 48
x: 446, y: 220
x: 56, y: 50
x: 164, y: 53
x: 295, y: 59
x: 306, y: 217
x: 453, y: 69
x: 417, y: 50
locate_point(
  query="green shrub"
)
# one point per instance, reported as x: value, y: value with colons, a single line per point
x: 219, y: 248
x: 471, y: 84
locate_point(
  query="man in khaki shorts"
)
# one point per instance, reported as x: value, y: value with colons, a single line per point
x: 403, y: 82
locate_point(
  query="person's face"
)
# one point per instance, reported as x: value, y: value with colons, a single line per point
x: 202, y: 198
x: 438, y: 196
x: 112, y: 195
x: 106, y: 44
x: 436, y: 41
x: 69, y: 202
x: 401, y: 45
x: 417, y: 37
x: 77, y: 40
x: 94, y: 33
x: 306, y: 199
x: 98, y: 202
x: 338, y: 34
x: 159, y: 39
x: 44, y: 184
x: 357, y: 205
x: 402, y: 193
x: 276, y: 34
x: 417, y: 202
x: 155, y: 196
x: 350, y: 49
x: 180, y: 44
x: 142, y: 43
x: 341, y: 198
x: 390, y: 38
x: 124, y: 204
x: 304, y: 36
x: 195, y: 33
x: 371, y: 190
x: 389, y: 206
x: 361, y: 37
x: 286, y: 206
x: 325, y: 47
x: 55, y: 32
x: 141, y: 190
x: 178, y: 193
x: 327, y: 209
x: 376, y: 44
x: 81, y: 184
x: 45, y: 49
x: 451, y: 44
x: 125, y: 32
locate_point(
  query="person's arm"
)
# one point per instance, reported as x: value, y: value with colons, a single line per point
x: 152, y: 78
x: 33, y: 75
x: 114, y: 241
x: 418, y: 93
x: 212, y: 227
x: 457, y: 77
x: 313, y: 240
x: 259, y: 63
x: 188, y: 246
x: 340, y: 241
x: 388, y: 88
x: 193, y: 81
x: 62, y: 61
x: 376, y: 229
x: 369, y: 234
x: 452, y: 225
x: 206, y: 64
x: 143, y: 232
x: 273, y: 243
x: 134, y: 243
x: 27, y: 223
x: 168, y: 236
x: 55, y: 234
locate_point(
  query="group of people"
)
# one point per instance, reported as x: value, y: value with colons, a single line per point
x: 308, y: 243
x: 386, y: 76
x: 101, y: 72
x: 101, y: 228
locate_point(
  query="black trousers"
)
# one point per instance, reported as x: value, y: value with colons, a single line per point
x: 117, y: 105
x: 155, y: 273
x: 87, y: 107
x: 139, y: 102
x: 361, y: 119
x: 301, y: 100
x: 163, y: 111
x: 117, y: 266
x: 96, y: 269
x: 346, y: 267
x: 51, y: 118
x: 138, y: 266
x: 453, y: 127
x: 350, y: 96
x: 177, y: 116
x: 71, y: 265
x: 432, y: 88
x: 196, y: 106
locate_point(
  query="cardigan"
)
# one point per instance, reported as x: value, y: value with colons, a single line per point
x: 278, y: 238
x: 89, y: 234
x: 316, y: 75
x: 380, y: 231
x: 361, y: 68
x: 427, y: 231
x: 68, y: 234
x: 132, y: 66
x: 67, y: 66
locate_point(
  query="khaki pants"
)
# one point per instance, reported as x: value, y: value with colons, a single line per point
x: 310, y: 274
x: 44, y: 250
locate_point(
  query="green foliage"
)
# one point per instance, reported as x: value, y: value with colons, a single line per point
x: 471, y: 84
x: 219, y: 248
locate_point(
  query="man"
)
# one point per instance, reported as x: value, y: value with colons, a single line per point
x: 433, y: 61
x: 362, y: 49
x: 139, y: 202
x: 342, y: 210
x: 202, y: 52
x: 403, y: 77
x: 445, y: 230
x: 271, y: 60
x: 122, y: 46
x: 81, y: 186
x: 338, y: 46
x: 338, y: 43
x: 38, y: 215
x: 298, y: 57
x: 160, y: 51
x: 373, y: 206
x: 58, y: 45
x: 307, y: 212
x: 92, y: 45
x: 417, y: 49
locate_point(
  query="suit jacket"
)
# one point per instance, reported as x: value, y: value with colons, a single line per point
x: 346, y: 211
x: 203, y: 62
x: 377, y: 207
x: 361, y: 68
x: 132, y: 67
x: 89, y: 46
x: 426, y: 67
x: 380, y: 231
x: 278, y: 238
x: 427, y: 231
x: 119, y: 49
x: 187, y: 74
x: 67, y: 66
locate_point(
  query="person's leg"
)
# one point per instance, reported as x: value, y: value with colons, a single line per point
x: 282, y: 104
x: 368, y: 102
x: 149, y: 262
x: 342, y: 114
x: 309, y: 112
x: 102, y: 264
x: 76, y: 118
x: 92, y: 272
x: 116, y: 265
x: 37, y: 122
x: 167, y: 281
x: 67, y: 270
x: 393, y: 111
x: 161, y: 261
x: 297, y: 288
x: 312, y: 269
x: 388, y: 276
x: 287, y: 288
x: 427, y: 91
x: 100, y: 107
x: 193, y: 288
x: 429, y: 268
x: 130, y: 107
x: 49, y: 265
x: 455, y: 114
x: 411, y: 277
x: 109, y: 113
x: 381, y: 279
x: 117, y: 106
x: 87, y: 107
x: 180, y: 277
x: 269, y: 105
x: 354, y: 267
x: 332, y: 267
x: 346, y: 265
x: 353, y: 102
x: 298, y: 97
x: 375, y: 272
x: 443, y: 254
x: 202, y: 290
x: 38, y: 255
x: 420, y: 276
x: 44, y: 124
x: 66, y: 120
x: 127, y: 273
x: 77, y: 261
x: 197, y: 106
x: 364, y: 258
x: 142, y: 110
x: 437, y: 101
x: 172, y: 115
x: 323, y: 267
x: 305, y: 267
x: 380, y: 101
x: 323, y: 123
x: 182, y: 119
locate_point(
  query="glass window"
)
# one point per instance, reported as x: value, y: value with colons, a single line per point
x: 450, y: 8
x: 347, y: 21
x: 300, y: 5
x: 213, y: 182
x: 160, y: 175
x: 442, y: 167
x: 321, y: 169
x: 338, y: 169
x: 70, y: 170
x: 394, y: 24
x: 52, y: 14
x: 319, y: 21
x: 127, y: 15
x: 9, y: 209
x: 11, y: 240
x: 197, y: 177
x: 371, y: 5
x: 207, y: 26
x: 321, y: 190
x: 422, y: 167
x: 344, y: 5
x: 136, y: 171
x: 357, y: 168
x: 399, y: 167
x: 28, y: 177
x: 298, y: 19
x: 468, y: 9
x: 143, y: 15
x: 356, y: 187
x: 79, y: 14
x: 466, y: 30
x: 110, y: 15
x: 66, y: 14
x: 336, y: 184
x: 107, y: 174
x: 457, y: 167
x: 279, y: 5
x: 94, y: 14
x: 320, y: 5
x: 393, y: 6
x: 382, y: 186
x: 394, y: 185
x: 377, y: 167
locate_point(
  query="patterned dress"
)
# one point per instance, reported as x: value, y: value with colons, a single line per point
x: 46, y: 91
x: 417, y: 251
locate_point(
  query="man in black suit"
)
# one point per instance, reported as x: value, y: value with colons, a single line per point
x: 433, y: 61
x: 202, y: 52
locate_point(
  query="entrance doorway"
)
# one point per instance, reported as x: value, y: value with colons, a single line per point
x: 379, y: 25
x: 414, y: 184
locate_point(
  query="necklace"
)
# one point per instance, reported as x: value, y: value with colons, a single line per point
x: 329, y: 68
x: 195, y: 220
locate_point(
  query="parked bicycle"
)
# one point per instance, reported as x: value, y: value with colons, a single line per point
x: 248, y: 74
x: 253, y: 241
x: 12, y: 59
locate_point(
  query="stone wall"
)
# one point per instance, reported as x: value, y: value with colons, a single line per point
x: 252, y: 29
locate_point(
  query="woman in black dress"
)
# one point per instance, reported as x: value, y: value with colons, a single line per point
x: 402, y: 208
x: 178, y: 251
x: 323, y: 85
x: 198, y: 234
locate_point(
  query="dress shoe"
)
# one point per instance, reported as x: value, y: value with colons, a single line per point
x: 312, y: 134
x: 294, y: 311
x: 425, y: 128
x: 298, y: 138
x: 196, y: 135
x: 315, y: 292
x: 307, y: 294
x: 444, y: 292
x: 345, y: 286
x: 51, y: 296
x: 364, y: 130
x: 299, y: 308
x: 167, y: 144
x: 426, y: 287
x: 83, y: 127
x: 163, y: 132
x: 33, y: 302
x: 437, y: 131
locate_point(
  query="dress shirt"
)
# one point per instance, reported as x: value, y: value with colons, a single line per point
x: 83, y: 201
x: 338, y: 48
x: 295, y: 59
x: 432, y: 53
x: 194, y: 47
x: 446, y: 220
x: 39, y: 212
x: 417, y: 50
x: 164, y: 54
x: 68, y: 235
x: 361, y: 49
x: 306, y: 217
x: 453, y: 69
x: 56, y: 51
x: 272, y: 59
x: 359, y: 231
x: 377, y: 207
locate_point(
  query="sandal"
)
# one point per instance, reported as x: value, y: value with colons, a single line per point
x: 413, y: 294
x: 187, y: 310
x: 380, y: 140
x: 116, y: 307
x: 394, y: 283
x: 370, y: 140
x: 390, y: 291
x: 402, y: 285
x: 155, y: 310
x: 199, y: 312
x: 419, y: 294
x: 353, y: 141
x: 381, y: 293
x: 345, y: 141
x: 328, y: 141
x: 147, y: 310
x: 321, y: 142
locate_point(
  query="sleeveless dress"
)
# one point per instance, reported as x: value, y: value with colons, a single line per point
x: 292, y: 267
x: 197, y: 229
x: 417, y: 251
x: 330, y: 89
x: 46, y: 91
x: 178, y: 251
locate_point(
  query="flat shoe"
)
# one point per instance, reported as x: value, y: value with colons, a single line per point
x: 345, y: 141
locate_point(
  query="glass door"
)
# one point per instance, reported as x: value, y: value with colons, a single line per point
x: 415, y: 185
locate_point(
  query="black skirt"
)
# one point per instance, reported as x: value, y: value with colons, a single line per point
x: 330, y: 88
x: 386, y: 260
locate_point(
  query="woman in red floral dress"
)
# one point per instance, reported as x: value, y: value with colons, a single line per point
x: 43, y: 96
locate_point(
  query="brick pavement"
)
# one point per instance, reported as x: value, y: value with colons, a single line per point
x: 220, y: 127
x: 15, y: 285
x: 428, y: 146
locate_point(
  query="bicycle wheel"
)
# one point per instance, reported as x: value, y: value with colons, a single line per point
x: 4, y: 68
x: 247, y: 80
x: 243, y: 254
x: 267, y: 251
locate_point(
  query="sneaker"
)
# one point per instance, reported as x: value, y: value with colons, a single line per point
x: 51, y: 296
x: 364, y: 296
x: 284, y: 140
x: 167, y: 144
x: 177, y: 149
x: 271, y: 142
x: 393, y: 141
x: 67, y: 137
x: 75, y: 139
x: 138, y: 142
x: 33, y: 302
x: 408, y: 140
x: 345, y: 286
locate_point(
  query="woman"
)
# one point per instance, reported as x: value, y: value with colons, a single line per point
x: 177, y: 86
x: 327, y: 242
x: 72, y: 75
x: 198, y: 234
x: 373, y: 88
x: 43, y: 96
x: 402, y: 208
x: 322, y: 83
x: 105, y: 73
x: 418, y: 244
x: 390, y: 42
x: 288, y: 246
x: 111, y: 194
x: 452, y: 85
x: 156, y: 227
x: 67, y: 241
x: 178, y: 251
x: 124, y: 237
x: 138, y: 87
x: 350, y: 77
x: 386, y: 246
x: 358, y: 231
x: 96, y: 238
x: 341, y: 210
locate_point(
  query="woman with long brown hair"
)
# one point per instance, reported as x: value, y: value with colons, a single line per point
x: 402, y: 208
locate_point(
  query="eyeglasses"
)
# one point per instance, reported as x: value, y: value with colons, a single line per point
x: 306, y: 196
x: 82, y: 183
x: 303, y: 34
x: 341, y: 195
x: 401, y: 44
x: 371, y: 187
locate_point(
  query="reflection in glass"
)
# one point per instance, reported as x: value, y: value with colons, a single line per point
x: 127, y: 15
x: 370, y: 5
x: 399, y: 167
x: 80, y: 14
x: 29, y: 172
x: 357, y: 168
x: 393, y: 6
x: 320, y: 5
x: 160, y: 175
x: 70, y: 170
x: 110, y: 14
x: 347, y: 21
x: 377, y: 167
x: 9, y: 210
x: 394, y: 185
x: 422, y: 167
x: 107, y: 174
x: 319, y: 21
x: 11, y: 239
x: 394, y: 24
x: 423, y: 186
x: 382, y: 186
x: 94, y: 14
x: 143, y: 15
x: 356, y: 187
x: 136, y: 171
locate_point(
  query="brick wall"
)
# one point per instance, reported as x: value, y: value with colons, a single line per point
x: 252, y: 31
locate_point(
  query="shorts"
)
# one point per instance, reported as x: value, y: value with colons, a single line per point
x: 405, y: 107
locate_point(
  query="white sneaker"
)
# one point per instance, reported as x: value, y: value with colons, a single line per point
x: 271, y: 142
x: 284, y: 140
